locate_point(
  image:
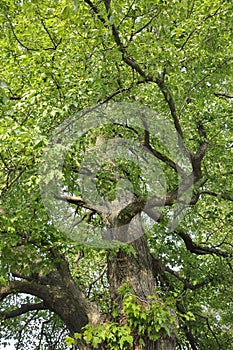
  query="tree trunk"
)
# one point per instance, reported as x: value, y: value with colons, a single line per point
x: 139, y: 272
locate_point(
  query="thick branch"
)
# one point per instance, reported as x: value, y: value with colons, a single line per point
x: 23, y: 287
x: 197, y: 157
x: 190, y: 338
x: 156, y: 153
x: 23, y: 310
x: 129, y: 212
x: 134, y: 65
x: 200, y: 250
x: 61, y: 295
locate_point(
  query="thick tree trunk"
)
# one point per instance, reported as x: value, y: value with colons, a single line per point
x: 139, y: 272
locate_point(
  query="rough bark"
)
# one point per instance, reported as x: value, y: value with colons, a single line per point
x: 139, y: 272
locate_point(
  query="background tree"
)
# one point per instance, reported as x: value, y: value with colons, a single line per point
x: 61, y: 57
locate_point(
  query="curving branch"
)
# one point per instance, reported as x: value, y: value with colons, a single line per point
x: 17, y: 38
x: 125, y: 216
x: 10, y: 182
x: 209, y: 328
x: 186, y: 283
x: 75, y: 200
x: 159, y: 268
x: 145, y: 25
x: 96, y: 280
x: 214, y: 194
x: 156, y: 153
x: 23, y: 287
x: 25, y: 308
x: 210, y: 193
x: 198, y: 249
x: 121, y: 90
x: 55, y: 45
x: 222, y: 95
x: 58, y: 292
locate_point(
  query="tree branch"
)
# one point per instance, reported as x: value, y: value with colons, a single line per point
x: 95, y: 10
x: 129, y: 212
x: 122, y: 89
x: 159, y: 268
x: 96, y: 280
x: 216, y: 12
x: 23, y: 287
x: 170, y: 101
x: 186, y: 283
x: 222, y: 95
x: 23, y: 310
x: 190, y: 338
x: 55, y: 45
x: 17, y: 39
x: 214, y: 194
x: 149, y: 78
x: 145, y: 25
x: 75, y: 200
x: 210, y: 193
x: 209, y: 327
x: 197, y: 249
x: 156, y: 153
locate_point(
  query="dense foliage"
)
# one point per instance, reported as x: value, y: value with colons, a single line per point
x: 59, y: 57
